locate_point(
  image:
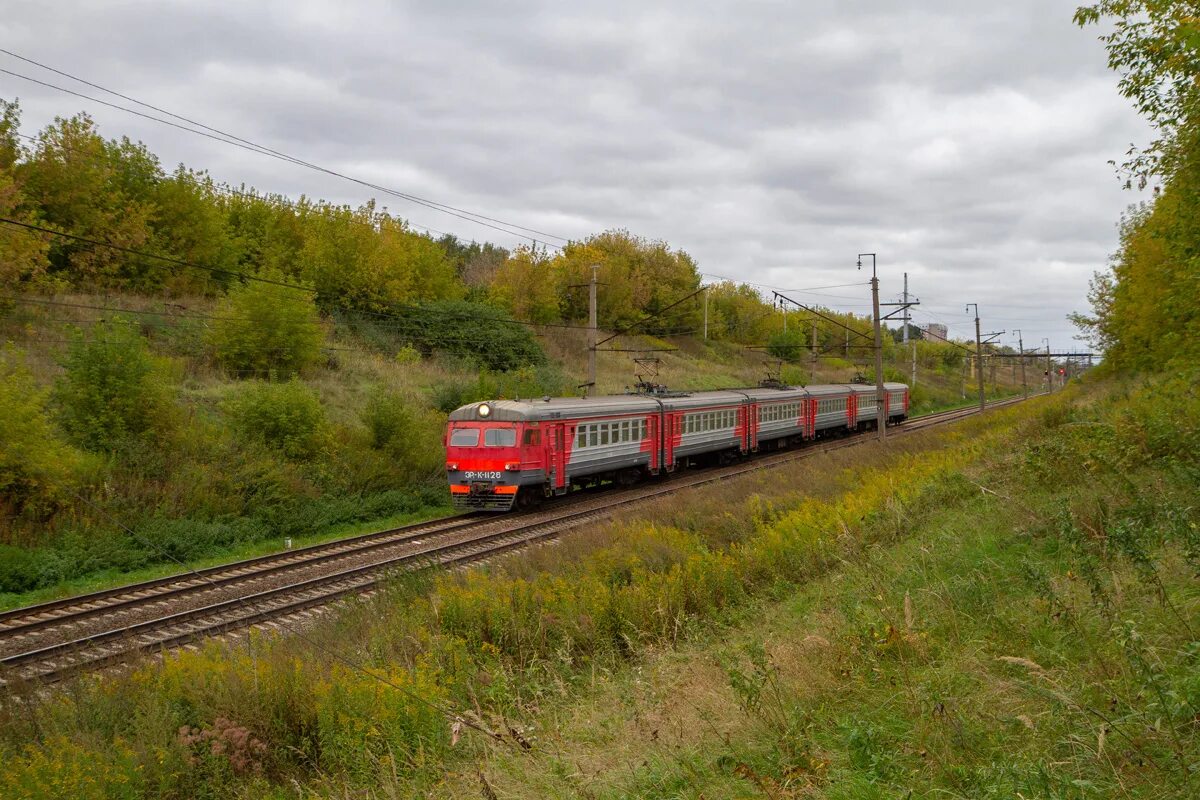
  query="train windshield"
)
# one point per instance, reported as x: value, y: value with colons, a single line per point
x: 465, y: 437
x: 500, y: 437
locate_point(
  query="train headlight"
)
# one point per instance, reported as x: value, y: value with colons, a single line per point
x: 452, y: 466
x: 484, y: 410
x: 512, y: 466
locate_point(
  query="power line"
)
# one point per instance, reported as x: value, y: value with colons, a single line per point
x: 245, y: 144
x: 265, y: 197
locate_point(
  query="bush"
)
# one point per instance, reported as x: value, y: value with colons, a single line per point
x: 527, y: 382
x: 410, y: 437
x: 482, y: 333
x: 113, y: 388
x: 37, y: 468
x: 287, y: 416
x: 790, y: 345
x: 266, y: 329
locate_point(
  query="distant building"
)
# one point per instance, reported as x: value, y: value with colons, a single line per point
x: 934, y: 332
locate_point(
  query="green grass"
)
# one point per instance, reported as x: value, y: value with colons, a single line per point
x: 1032, y: 637
x: 107, y: 579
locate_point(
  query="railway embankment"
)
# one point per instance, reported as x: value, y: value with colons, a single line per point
x: 951, y: 611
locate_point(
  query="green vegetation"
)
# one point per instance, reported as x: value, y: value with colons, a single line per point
x: 1144, y: 312
x: 998, y: 609
x: 237, y: 360
x: 265, y: 329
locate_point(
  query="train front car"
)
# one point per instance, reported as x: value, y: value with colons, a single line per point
x: 494, y: 457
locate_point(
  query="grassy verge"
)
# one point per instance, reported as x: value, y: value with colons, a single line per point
x: 349, y: 705
x: 1032, y: 633
x: 107, y: 579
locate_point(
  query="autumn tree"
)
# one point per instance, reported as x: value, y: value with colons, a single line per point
x: 71, y: 179
x: 23, y: 252
x: 1145, y: 311
x: 526, y: 284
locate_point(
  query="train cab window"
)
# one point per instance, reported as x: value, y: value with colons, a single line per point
x: 465, y: 437
x: 533, y: 437
x: 499, y: 437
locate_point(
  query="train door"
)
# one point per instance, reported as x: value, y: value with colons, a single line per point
x: 852, y: 410
x: 751, y: 416
x: 671, y: 431
x: 559, y: 457
x: 811, y: 405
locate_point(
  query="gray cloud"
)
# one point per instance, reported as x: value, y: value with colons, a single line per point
x: 966, y: 144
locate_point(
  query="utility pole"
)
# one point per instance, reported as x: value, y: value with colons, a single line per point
x: 1021, y: 350
x: 979, y: 357
x: 914, y: 364
x: 907, y: 319
x: 706, y: 314
x: 592, y: 323
x: 880, y: 397
x: 812, y: 373
x: 1049, y: 374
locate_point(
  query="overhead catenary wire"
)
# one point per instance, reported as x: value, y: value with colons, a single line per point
x: 258, y: 278
x: 216, y: 134
x: 266, y: 197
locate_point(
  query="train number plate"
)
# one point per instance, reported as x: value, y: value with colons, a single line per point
x: 481, y: 476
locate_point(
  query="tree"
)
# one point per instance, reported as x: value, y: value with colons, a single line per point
x: 1155, y: 46
x: 264, y: 329
x: 80, y: 185
x: 525, y: 285
x: 370, y: 260
x: 1145, y: 311
x: 23, y: 252
x: 638, y: 278
x: 188, y: 225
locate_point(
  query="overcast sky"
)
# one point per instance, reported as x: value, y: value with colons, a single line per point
x: 965, y: 143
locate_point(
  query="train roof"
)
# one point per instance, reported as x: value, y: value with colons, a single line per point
x: 552, y: 408
x: 556, y: 408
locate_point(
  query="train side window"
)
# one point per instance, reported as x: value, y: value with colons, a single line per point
x: 581, y: 436
x: 533, y: 437
x: 603, y: 434
x: 593, y: 436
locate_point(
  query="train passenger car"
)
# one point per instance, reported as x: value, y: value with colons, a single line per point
x: 897, y: 400
x: 780, y: 417
x: 508, y: 451
x: 836, y: 408
x: 703, y: 425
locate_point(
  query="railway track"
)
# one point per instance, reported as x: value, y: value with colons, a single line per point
x: 54, y: 640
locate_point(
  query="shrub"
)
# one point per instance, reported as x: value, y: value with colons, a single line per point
x: 287, y: 416
x: 264, y: 329
x: 36, y: 467
x: 487, y: 335
x: 790, y: 345
x: 113, y: 387
x: 410, y: 437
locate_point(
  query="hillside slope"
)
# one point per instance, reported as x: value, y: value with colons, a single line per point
x: 224, y: 464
